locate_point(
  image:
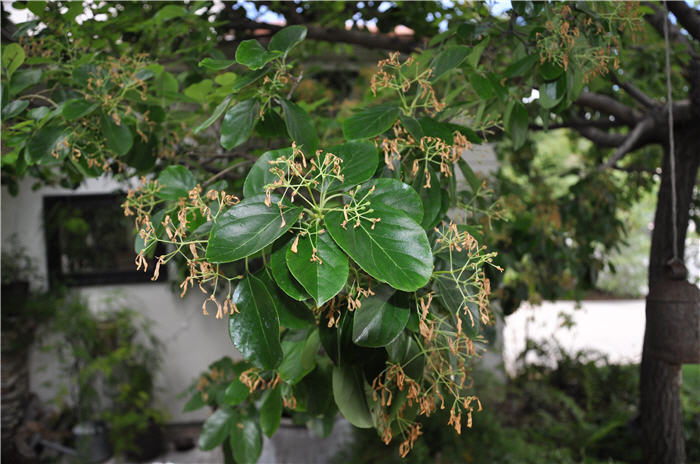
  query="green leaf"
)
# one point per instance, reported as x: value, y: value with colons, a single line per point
x: 299, y: 357
x: 271, y: 411
x: 396, y: 251
x: 370, y: 122
x: 148, y: 248
x: 238, y: 123
x: 246, y: 441
x: 237, y: 391
x: 118, y: 137
x: 475, y: 54
x: 521, y: 66
x: 349, y: 396
x: 14, y: 108
x: 12, y: 58
x: 38, y: 113
x: 412, y: 126
x: 299, y: 127
x: 216, y: 428
x: 482, y: 86
x: 216, y: 65
x: 24, y: 79
x: 271, y: 125
x: 359, y: 164
x: 549, y: 71
x: 255, y: 330
x: 218, y: 111
x: 457, y: 298
x: 404, y: 350
x: 323, y: 280
x: 394, y: 194
x: 248, y: 79
x: 169, y: 12
x: 472, y: 179
x: 199, y: 90
x: 47, y: 140
x: 283, y: 277
x: 518, y: 124
x: 292, y: 314
x: 176, y: 182
x: 435, y: 128
x: 379, y: 320
x: 549, y: 97
x: 251, y: 54
x: 448, y: 59
x: 77, y: 108
x: 259, y: 175
x: 195, y: 402
x: 248, y: 227
x: 429, y: 196
x: 285, y: 39
x: 166, y: 84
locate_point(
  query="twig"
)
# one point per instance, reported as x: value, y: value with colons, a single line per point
x: 294, y: 86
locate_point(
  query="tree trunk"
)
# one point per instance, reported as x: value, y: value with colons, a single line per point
x: 661, y: 415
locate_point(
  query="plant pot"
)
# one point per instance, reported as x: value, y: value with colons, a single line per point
x: 148, y: 443
x: 92, y: 442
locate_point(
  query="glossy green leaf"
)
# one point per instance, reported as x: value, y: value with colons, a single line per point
x: 429, y: 195
x: 394, y: 194
x: 119, y: 138
x: 195, y: 402
x: 379, y: 320
x: 549, y: 97
x: 482, y: 86
x: 38, y: 113
x: 23, y: 80
x: 550, y: 71
x: 349, y: 396
x: 457, y: 299
x: 271, y: 411
x: 299, y: 357
x: 271, y: 125
x: 176, y: 182
x: 292, y: 313
x: 471, y: 178
x: 251, y: 54
x: 247, y: 79
x: 47, y: 140
x: 518, y: 124
x: 476, y: 52
x: 254, y: 331
x: 299, y: 127
x: 449, y: 59
x: 248, y: 227
x: 14, y: 108
x: 238, y: 123
x: 520, y: 67
x: 166, y: 84
x: 216, y: 428
x: 283, y: 277
x: 237, y: 391
x: 404, y: 350
x: 370, y: 122
x: 77, y: 108
x: 148, y: 248
x: 246, y: 441
x: 218, y: 111
x: 12, y: 58
x: 199, y: 91
x: 396, y: 251
x: 360, y: 161
x: 412, y: 126
x: 434, y: 128
x: 216, y: 65
x: 259, y: 175
x: 326, y: 275
x: 285, y: 39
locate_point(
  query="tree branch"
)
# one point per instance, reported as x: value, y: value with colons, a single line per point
x: 674, y: 32
x: 688, y: 17
x: 601, y: 138
x: 633, y: 140
x: 404, y: 44
x: 610, y: 106
x: 634, y: 92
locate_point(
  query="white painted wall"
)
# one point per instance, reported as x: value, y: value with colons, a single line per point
x: 192, y: 341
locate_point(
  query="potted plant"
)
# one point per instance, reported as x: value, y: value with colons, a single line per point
x: 111, y: 359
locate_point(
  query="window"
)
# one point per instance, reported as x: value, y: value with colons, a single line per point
x: 89, y: 241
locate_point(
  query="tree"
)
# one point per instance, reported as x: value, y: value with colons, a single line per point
x: 597, y: 68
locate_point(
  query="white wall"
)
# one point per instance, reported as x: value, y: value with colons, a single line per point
x: 192, y: 341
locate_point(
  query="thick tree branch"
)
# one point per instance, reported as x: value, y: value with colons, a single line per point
x: 404, y: 44
x: 688, y: 17
x: 601, y: 138
x: 610, y: 106
x: 634, y: 92
x: 674, y: 32
x: 634, y: 140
